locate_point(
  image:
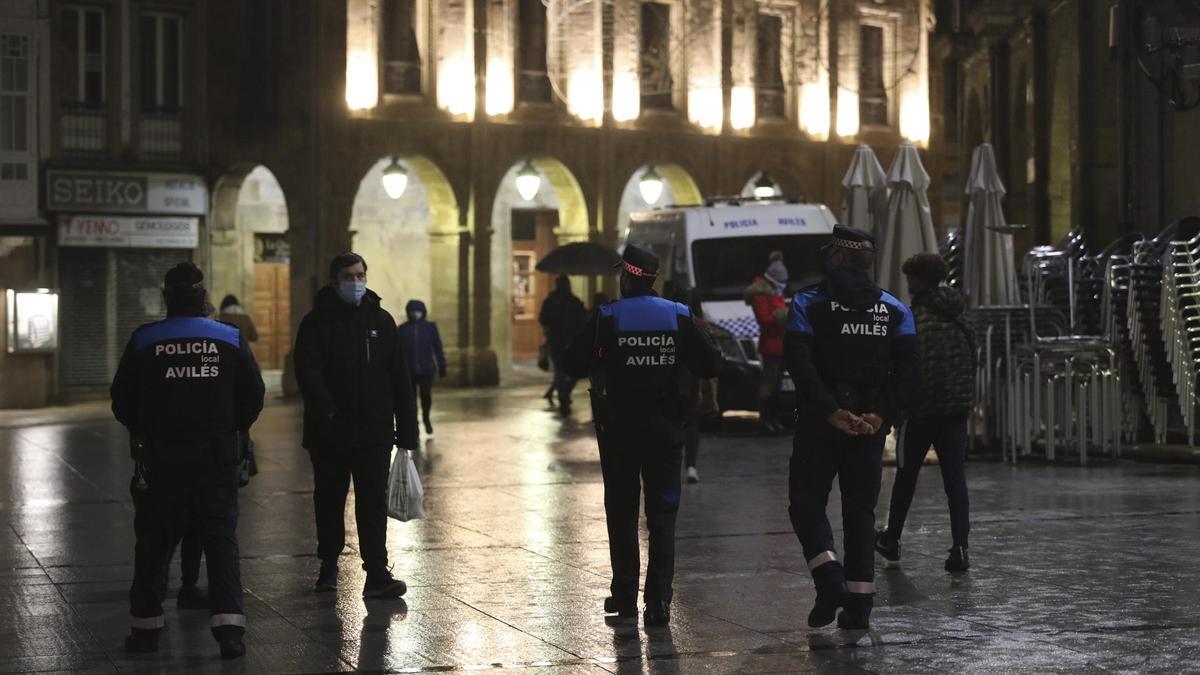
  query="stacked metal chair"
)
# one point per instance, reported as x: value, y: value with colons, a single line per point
x: 1180, y: 316
x: 1144, y: 315
x: 1116, y: 261
x: 1064, y: 385
x: 951, y: 249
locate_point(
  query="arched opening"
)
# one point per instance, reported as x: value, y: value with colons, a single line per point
x: 538, y: 207
x: 676, y: 187
x: 410, y: 242
x: 250, y: 258
x: 1061, y: 151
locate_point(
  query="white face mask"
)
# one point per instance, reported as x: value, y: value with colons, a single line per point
x: 351, y: 292
x: 417, y: 316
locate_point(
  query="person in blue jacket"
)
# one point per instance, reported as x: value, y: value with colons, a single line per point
x: 423, y: 344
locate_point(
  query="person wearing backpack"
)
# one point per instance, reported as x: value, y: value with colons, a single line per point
x: 940, y: 409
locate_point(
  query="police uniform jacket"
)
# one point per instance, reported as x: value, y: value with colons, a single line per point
x: 187, y: 379
x: 849, y: 345
x: 354, y: 376
x: 637, y: 346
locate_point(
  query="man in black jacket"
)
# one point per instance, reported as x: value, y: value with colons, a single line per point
x: 358, y: 403
x: 185, y: 388
x: 561, y: 317
x: 851, y: 350
x: 636, y: 349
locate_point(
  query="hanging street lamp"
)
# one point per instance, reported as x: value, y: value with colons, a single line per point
x: 529, y: 181
x: 395, y: 179
x: 651, y: 186
x: 765, y: 187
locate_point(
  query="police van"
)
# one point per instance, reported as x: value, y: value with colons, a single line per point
x: 718, y: 249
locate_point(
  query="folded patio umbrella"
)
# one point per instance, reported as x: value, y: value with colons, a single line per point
x: 581, y: 258
x: 989, y: 270
x: 864, y: 205
x: 908, y: 226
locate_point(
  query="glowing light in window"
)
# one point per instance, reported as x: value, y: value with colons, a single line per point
x: 362, y: 83
x: 814, y: 110
x: 704, y: 108
x: 914, y: 117
x: 741, y: 107
x: 456, y: 87
x: 626, y: 103
x: 847, y: 113
x: 499, y: 99
x: 585, y: 96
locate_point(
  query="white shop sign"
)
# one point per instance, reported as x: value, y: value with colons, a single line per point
x: 129, y: 231
x: 103, y: 192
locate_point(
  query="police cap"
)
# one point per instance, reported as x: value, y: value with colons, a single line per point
x: 184, y: 276
x: 851, y: 238
x: 639, y: 261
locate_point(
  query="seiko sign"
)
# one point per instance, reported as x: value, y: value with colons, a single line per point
x: 125, y: 192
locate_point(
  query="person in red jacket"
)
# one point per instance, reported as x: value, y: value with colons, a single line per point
x: 766, y: 297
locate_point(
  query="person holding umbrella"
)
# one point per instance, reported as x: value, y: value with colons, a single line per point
x: 561, y: 316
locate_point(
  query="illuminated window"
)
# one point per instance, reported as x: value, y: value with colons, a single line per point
x: 161, y: 59
x: 534, y: 82
x: 656, y: 81
x: 399, y: 50
x: 872, y: 95
x: 771, y: 95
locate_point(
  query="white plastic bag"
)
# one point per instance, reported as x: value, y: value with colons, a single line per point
x: 406, y: 497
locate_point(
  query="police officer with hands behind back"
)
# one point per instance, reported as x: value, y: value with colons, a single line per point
x: 186, y: 388
x: 635, y: 349
x: 851, y: 350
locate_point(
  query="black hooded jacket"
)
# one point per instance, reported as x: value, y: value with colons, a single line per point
x: 947, y: 351
x: 353, y: 376
x: 422, y: 342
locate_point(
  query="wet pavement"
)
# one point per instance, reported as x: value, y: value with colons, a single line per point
x: 1074, y: 569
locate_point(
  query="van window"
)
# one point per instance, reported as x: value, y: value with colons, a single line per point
x: 667, y: 240
x: 726, y: 266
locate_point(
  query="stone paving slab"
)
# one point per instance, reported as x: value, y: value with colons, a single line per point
x: 1075, y: 569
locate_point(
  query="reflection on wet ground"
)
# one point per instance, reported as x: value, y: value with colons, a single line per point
x: 1076, y: 569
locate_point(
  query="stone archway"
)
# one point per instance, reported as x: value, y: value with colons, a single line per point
x: 678, y: 189
x: 411, y: 244
x: 522, y: 231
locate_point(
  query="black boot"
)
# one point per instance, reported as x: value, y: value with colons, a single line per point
x: 831, y: 593
x: 327, y: 578
x: 232, y: 647
x: 887, y: 547
x: 958, y: 561
x: 658, y: 613
x: 624, y: 610
x: 381, y: 584
x: 856, y: 612
x: 141, y: 641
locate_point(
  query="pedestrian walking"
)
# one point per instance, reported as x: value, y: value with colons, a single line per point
x: 358, y: 403
x: 851, y: 349
x: 940, y: 408
x: 561, y: 317
x: 636, y: 349
x: 232, y: 313
x: 422, y: 344
x: 766, y: 296
x: 699, y: 395
x: 186, y: 388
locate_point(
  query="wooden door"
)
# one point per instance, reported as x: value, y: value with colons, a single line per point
x: 533, y: 238
x: 272, y: 314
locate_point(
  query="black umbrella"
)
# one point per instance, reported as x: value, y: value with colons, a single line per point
x: 581, y: 258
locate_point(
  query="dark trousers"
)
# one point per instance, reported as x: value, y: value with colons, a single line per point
x: 423, y: 384
x: 636, y: 451
x: 191, y: 547
x: 563, y: 385
x: 819, y: 453
x: 948, y: 436
x: 203, y: 494
x: 691, y: 442
x: 333, y: 468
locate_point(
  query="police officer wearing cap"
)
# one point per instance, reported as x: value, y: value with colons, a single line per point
x: 851, y: 350
x: 186, y: 388
x: 635, y: 350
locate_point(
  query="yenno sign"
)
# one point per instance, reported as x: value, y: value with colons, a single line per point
x: 103, y: 192
x: 128, y: 232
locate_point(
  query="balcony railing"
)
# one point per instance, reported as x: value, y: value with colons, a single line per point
x: 160, y: 134
x: 84, y: 129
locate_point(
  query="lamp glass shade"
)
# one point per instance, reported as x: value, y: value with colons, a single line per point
x: 765, y: 187
x: 395, y: 180
x: 651, y: 186
x: 529, y: 181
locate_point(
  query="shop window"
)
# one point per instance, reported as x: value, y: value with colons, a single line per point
x: 533, y: 83
x: 83, y: 72
x: 161, y: 59
x: 524, y: 291
x: 657, y: 84
x: 768, y: 70
x: 401, y: 53
x: 872, y: 95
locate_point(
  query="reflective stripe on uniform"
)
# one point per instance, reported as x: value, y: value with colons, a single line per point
x: 229, y: 620
x: 146, y: 622
x: 821, y: 559
x: 860, y: 586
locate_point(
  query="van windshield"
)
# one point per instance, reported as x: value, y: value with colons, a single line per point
x: 726, y: 266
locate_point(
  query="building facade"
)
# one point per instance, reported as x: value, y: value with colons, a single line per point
x: 254, y: 139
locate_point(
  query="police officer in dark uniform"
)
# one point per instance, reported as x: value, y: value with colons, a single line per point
x: 635, y: 349
x: 851, y: 350
x: 186, y: 388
